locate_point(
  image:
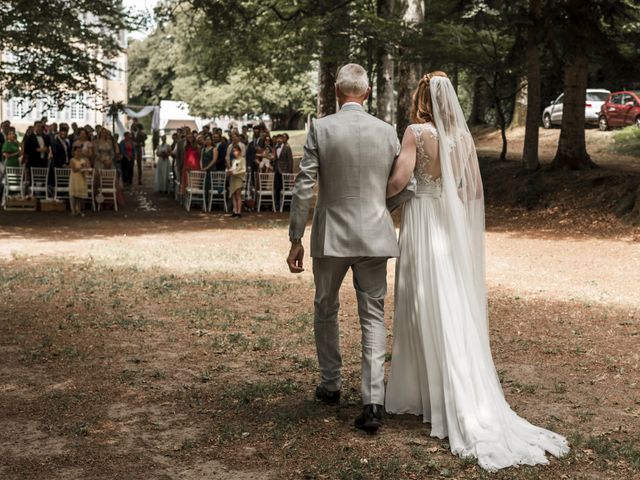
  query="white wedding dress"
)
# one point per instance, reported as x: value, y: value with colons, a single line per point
x: 442, y: 366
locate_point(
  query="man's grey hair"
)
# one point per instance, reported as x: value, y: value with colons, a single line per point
x: 352, y: 80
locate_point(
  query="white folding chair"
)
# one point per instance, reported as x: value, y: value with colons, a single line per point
x: 88, y: 175
x: 195, y: 189
x: 286, y: 194
x: 265, y: 189
x: 12, y: 183
x: 62, y: 180
x: 39, y: 178
x: 107, y: 189
x: 218, y: 192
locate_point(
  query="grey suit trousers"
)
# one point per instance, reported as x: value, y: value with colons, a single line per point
x: 370, y: 283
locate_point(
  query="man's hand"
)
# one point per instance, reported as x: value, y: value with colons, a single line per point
x: 294, y: 260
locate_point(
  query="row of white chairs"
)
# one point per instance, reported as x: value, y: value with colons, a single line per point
x: 14, y: 183
x: 195, y: 191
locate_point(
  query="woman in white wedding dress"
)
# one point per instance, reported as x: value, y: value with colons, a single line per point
x: 442, y: 367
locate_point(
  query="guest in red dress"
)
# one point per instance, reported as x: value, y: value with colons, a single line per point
x: 191, y: 159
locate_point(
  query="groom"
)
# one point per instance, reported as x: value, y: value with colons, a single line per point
x: 350, y: 155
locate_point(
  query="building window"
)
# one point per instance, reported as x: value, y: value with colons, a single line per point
x: 114, y: 71
x: 122, y: 38
x: 18, y: 107
x: 77, y: 108
x: 49, y: 109
x: 10, y: 61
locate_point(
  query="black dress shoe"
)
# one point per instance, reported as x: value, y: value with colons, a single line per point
x: 370, y: 419
x: 327, y: 396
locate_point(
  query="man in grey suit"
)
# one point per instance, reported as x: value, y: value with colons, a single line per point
x: 350, y: 155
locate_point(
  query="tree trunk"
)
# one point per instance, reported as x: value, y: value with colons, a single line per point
x: 480, y: 102
x: 502, y: 123
x: 334, y: 52
x: 326, y: 90
x: 384, y: 77
x: 456, y: 78
x: 519, y: 118
x: 409, y: 68
x: 530, y: 158
x: 572, y: 150
x: 384, y: 86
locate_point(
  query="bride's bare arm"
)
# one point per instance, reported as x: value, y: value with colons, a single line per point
x: 403, y: 166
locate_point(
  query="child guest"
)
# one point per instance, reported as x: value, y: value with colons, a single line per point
x: 237, y: 172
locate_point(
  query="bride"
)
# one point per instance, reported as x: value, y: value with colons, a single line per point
x: 442, y: 367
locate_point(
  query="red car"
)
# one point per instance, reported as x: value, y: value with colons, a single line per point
x: 620, y: 109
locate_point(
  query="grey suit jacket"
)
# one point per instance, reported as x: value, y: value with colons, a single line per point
x: 350, y: 155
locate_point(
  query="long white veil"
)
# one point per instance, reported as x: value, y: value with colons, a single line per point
x: 492, y: 432
x: 463, y: 194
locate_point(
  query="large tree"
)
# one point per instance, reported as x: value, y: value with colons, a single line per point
x: 530, y: 159
x: 409, y: 64
x: 54, y: 47
x: 583, y: 31
x: 334, y: 51
x: 384, y: 76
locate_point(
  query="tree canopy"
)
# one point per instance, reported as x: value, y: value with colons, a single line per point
x: 281, y: 57
x: 54, y: 47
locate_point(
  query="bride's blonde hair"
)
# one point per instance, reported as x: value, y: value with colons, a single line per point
x: 422, y: 108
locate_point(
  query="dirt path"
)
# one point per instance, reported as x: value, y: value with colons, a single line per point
x: 155, y: 343
x: 594, y: 270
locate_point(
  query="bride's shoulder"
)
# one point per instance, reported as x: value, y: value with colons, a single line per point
x: 418, y: 128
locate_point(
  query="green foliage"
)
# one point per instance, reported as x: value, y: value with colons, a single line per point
x: 207, y: 58
x: 627, y: 141
x: 59, y: 46
x: 245, y: 91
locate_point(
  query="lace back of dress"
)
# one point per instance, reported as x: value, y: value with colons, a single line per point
x: 427, y: 169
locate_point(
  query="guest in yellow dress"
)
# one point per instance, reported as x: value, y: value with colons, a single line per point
x: 78, y: 181
x: 237, y: 172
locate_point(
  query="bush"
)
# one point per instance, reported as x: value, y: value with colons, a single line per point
x: 627, y: 141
